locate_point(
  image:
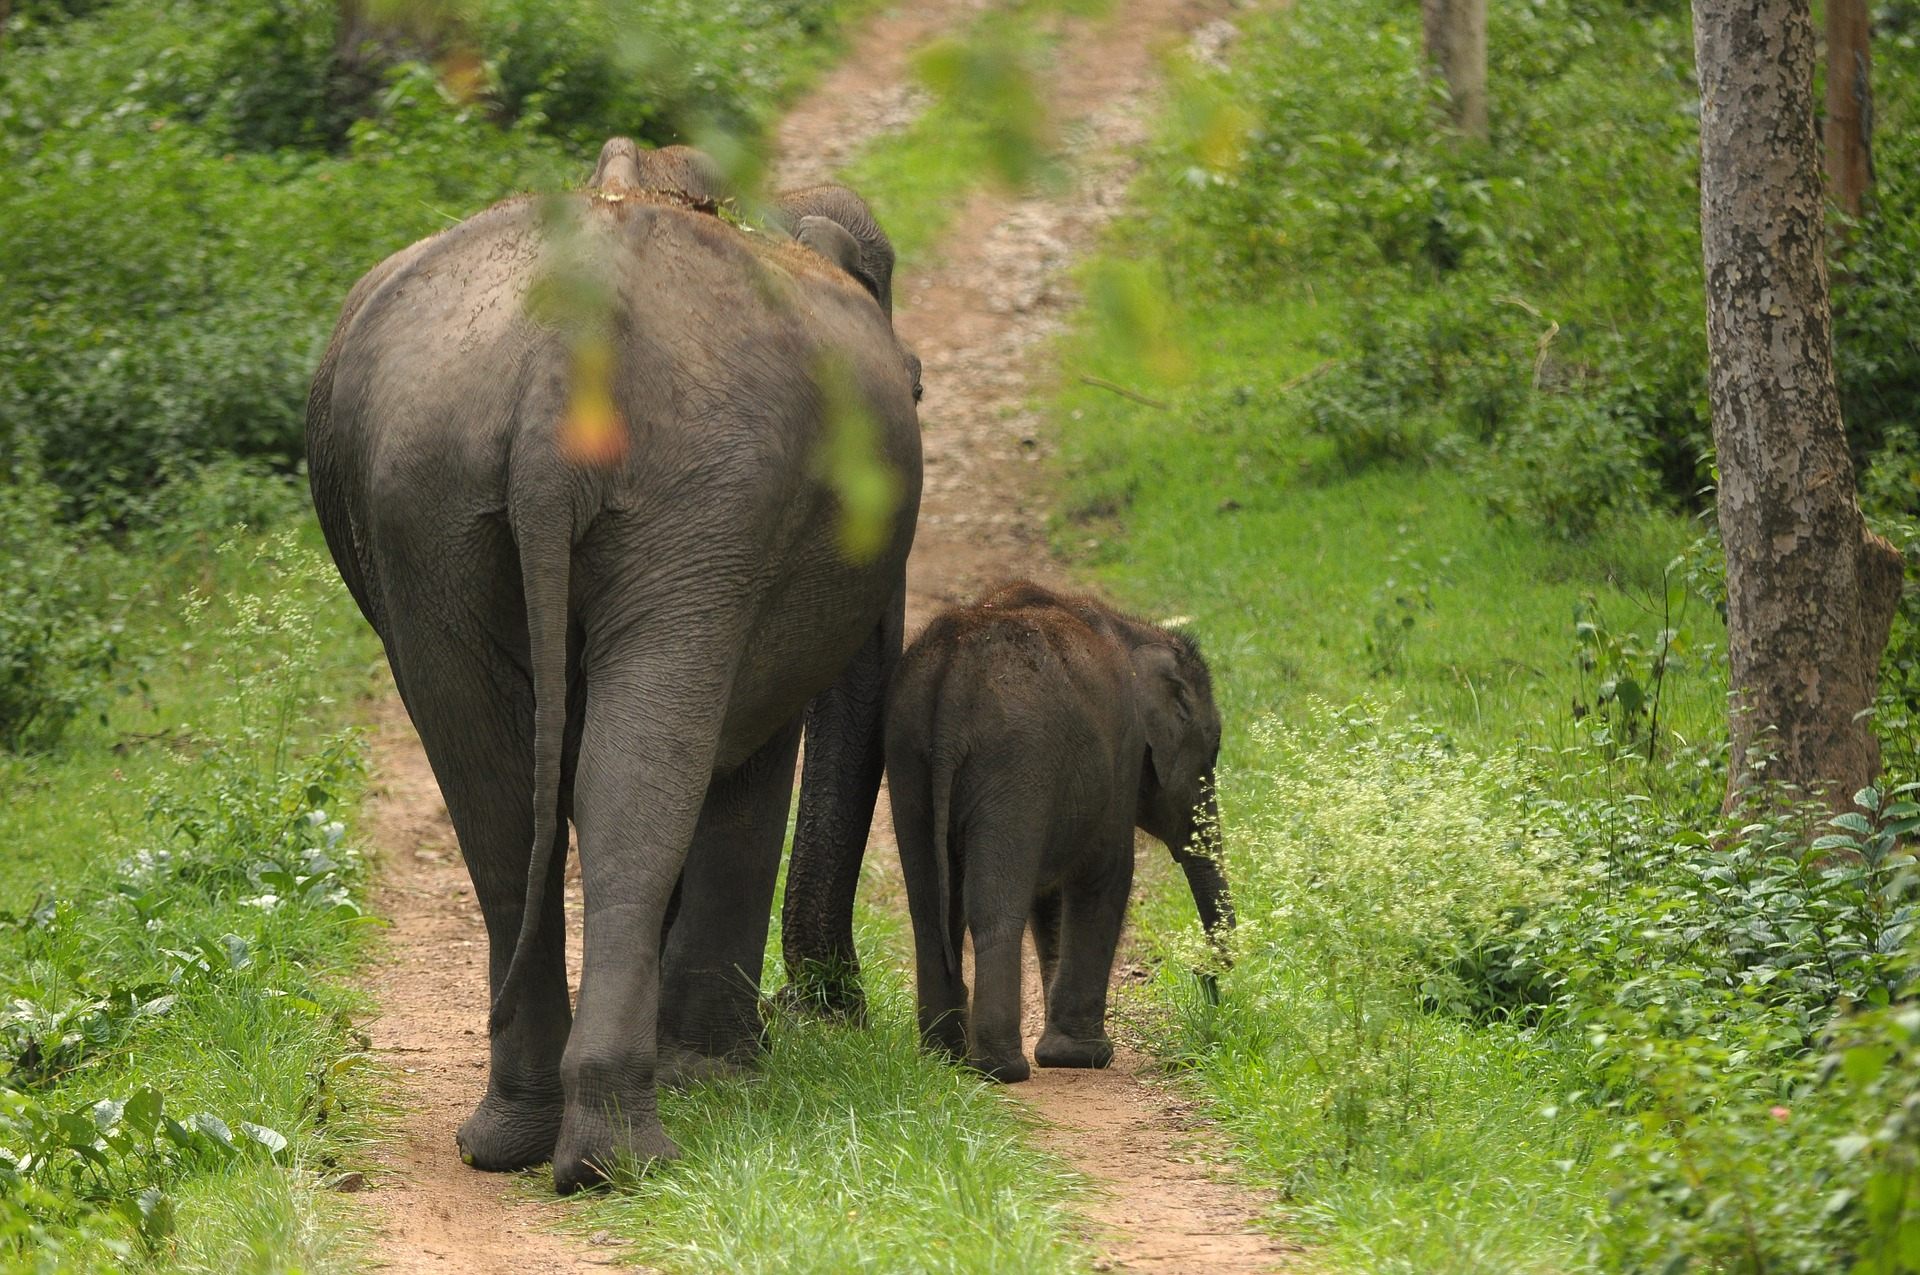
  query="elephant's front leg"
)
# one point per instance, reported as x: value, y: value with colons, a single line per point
x: 646, y: 759
x: 710, y: 972
x: 1095, y: 907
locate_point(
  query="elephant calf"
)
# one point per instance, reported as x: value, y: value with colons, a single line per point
x: 1027, y: 736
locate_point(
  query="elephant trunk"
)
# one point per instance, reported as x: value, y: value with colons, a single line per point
x: 1199, y: 858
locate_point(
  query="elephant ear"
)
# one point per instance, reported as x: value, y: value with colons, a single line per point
x: 833, y: 241
x: 1166, y: 707
x: 847, y: 210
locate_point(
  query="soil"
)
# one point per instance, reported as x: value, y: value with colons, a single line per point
x: 981, y: 314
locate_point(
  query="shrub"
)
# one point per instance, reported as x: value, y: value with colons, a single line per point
x: 190, y: 331
x: 60, y: 643
x: 1368, y: 860
x: 1695, y: 971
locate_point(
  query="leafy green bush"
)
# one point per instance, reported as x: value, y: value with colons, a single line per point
x: 190, y: 330
x: 1376, y: 856
x: 60, y: 642
x: 1876, y: 297
x: 1702, y: 968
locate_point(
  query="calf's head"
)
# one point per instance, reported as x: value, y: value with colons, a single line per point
x: 1174, y: 698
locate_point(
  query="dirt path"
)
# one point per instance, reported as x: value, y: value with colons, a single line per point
x: 979, y: 317
x: 434, y: 1213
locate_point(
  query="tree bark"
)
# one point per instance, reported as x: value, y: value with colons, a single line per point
x: 1456, y: 47
x: 1810, y: 591
x: 1849, y: 103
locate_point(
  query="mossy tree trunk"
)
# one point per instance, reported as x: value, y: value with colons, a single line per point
x: 1849, y: 103
x: 1455, y: 32
x: 1810, y: 591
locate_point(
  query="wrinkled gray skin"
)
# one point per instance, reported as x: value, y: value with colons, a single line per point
x: 630, y: 644
x: 843, y: 736
x: 1027, y: 736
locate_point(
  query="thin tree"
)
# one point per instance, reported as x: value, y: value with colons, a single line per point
x: 1849, y: 103
x: 1455, y: 33
x: 1810, y: 590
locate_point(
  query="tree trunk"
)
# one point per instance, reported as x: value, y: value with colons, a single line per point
x: 1849, y: 103
x: 1810, y: 591
x: 1456, y: 44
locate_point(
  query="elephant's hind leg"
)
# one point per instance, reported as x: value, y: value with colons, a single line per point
x: 717, y: 941
x: 940, y: 991
x: 474, y: 712
x: 1002, y: 863
x: 837, y: 793
x: 652, y: 725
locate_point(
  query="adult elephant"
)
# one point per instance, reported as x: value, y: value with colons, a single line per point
x: 844, y: 756
x: 626, y: 635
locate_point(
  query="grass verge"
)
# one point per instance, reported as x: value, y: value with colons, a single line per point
x: 178, y: 1070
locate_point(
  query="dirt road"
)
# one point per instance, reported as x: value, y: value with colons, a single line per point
x: 980, y: 314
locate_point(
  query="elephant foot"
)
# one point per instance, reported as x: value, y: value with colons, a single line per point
x: 684, y: 1068
x: 503, y: 1135
x: 592, y: 1146
x: 1008, y: 1070
x: 1057, y: 1049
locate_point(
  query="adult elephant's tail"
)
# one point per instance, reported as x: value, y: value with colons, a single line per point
x: 545, y: 540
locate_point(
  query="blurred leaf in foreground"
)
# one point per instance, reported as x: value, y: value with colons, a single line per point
x: 988, y: 79
x: 849, y: 460
x: 1130, y: 303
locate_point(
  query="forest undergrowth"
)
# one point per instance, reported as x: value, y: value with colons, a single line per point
x: 1417, y: 443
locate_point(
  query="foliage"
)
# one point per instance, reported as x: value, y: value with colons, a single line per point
x: 228, y: 187
x: 170, y: 1010
x: 660, y: 70
x: 1704, y: 980
x: 1374, y: 857
x: 1897, y: 708
x: 1540, y: 292
x: 60, y: 643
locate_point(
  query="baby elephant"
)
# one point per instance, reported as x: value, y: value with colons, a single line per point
x: 1027, y: 736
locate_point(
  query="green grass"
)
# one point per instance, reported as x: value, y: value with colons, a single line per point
x: 139, y: 956
x: 850, y: 1150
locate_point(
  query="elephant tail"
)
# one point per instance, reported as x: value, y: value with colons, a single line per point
x: 546, y: 554
x: 943, y: 768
